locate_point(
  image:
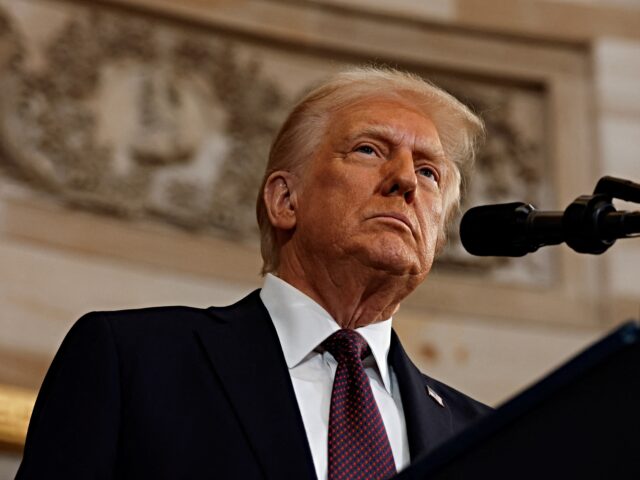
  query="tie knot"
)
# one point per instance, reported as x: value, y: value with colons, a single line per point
x: 346, y: 344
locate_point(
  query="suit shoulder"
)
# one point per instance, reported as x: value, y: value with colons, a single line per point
x: 143, y: 332
x: 148, y: 312
x: 149, y: 316
x: 164, y: 320
x: 159, y: 325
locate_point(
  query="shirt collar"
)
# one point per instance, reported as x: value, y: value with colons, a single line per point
x: 302, y: 325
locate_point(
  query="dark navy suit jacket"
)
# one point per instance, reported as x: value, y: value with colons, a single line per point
x: 178, y: 392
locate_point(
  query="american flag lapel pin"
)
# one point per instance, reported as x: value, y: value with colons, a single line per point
x: 435, y: 396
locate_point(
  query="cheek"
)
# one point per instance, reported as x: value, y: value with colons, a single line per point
x: 433, y: 225
x: 340, y: 195
x: 341, y: 203
x: 327, y: 215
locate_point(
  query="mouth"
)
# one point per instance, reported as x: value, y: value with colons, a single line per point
x: 396, y: 218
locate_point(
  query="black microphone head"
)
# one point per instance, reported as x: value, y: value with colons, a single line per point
x: 496, y: 230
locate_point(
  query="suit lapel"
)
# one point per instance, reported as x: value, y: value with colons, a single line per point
x: 245, y: 353
x: 428, y: 423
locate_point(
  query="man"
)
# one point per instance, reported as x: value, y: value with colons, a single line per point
x: 304, y: 378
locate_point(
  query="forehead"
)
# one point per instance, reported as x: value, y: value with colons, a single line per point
x: 394, y: 119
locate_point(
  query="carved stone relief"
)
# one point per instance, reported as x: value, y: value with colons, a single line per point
x: 121, y: 115
x: 133, y: 120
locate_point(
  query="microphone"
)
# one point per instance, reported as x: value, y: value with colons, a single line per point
x: 509, y: 229
x: 589, y: 225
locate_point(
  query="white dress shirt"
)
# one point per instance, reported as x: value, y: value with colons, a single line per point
x: 302, y: 325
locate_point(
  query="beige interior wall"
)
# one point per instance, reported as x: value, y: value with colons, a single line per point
x: 56, y: 264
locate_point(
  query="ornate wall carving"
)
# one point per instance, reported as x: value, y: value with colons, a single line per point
x: 142, y: 119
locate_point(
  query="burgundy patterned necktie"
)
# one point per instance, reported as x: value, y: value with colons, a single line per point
x: 358, y: 444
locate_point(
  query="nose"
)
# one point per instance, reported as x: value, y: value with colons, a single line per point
x: 400, y: 178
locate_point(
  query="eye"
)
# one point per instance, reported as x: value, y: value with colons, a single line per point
x: 428, y: 172
x: 366, y: 149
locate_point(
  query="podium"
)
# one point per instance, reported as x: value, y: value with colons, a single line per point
x: 580, y: 422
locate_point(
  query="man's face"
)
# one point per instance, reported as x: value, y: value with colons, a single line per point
x: 374, y: 190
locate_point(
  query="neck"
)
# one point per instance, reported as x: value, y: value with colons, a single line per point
x: 354, y: 295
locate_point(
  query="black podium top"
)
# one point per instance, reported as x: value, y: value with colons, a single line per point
x: 581, y: 421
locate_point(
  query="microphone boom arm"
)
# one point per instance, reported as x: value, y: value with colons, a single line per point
x: 591, y: 224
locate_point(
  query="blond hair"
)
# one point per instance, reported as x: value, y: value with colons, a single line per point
x: 303, y: 130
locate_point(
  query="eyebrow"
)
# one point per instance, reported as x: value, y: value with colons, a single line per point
x: 429, y: 149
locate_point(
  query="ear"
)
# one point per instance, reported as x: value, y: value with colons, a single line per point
x: 280, y: 199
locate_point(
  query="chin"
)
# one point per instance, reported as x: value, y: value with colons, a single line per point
x: 391, y: 254
x: 394, y: 263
